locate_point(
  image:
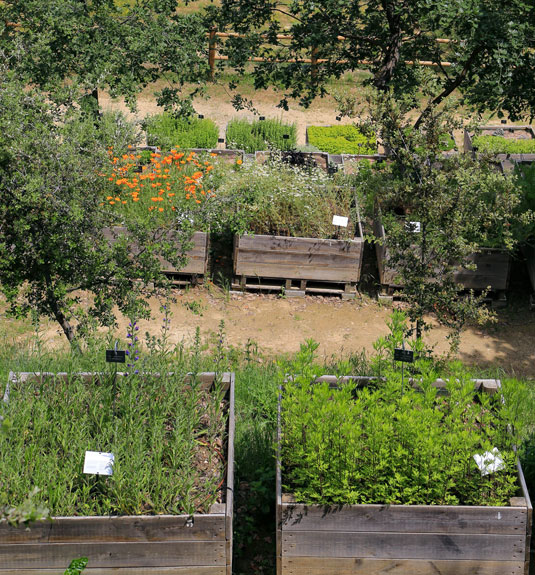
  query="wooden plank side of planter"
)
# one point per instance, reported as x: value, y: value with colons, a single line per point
x: 143, y: 528
x: 493, y: 267
x: 404, y: 518
x: 189, y: 570
x: 352, y: 566
x: 229, y: 499
x: 450, y: 546
x: 298, y: 258
x: 197, y: 255
x: 168, y: 554
x: 529, y: 253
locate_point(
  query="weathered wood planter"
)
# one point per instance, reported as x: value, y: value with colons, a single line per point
x: 507, y: 132
x: 320, y: 159
x: 197, y: 257
x: 199, y: 544
x: 298, y: 265
x: 403, y: 539
x: 493, y: 268
x: 229, y: 156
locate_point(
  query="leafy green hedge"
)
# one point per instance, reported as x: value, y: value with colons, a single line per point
x: 261, y: 135
x: 166, y: 132
x: 500, y: 145
x: 342, y: 140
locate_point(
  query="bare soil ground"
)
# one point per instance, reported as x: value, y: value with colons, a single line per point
x: 279, y: 325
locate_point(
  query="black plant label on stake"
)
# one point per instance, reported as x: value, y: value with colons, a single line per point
x: 115, y: 356
x: 404, y: 355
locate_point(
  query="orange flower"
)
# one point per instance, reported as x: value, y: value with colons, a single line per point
x: 160, y: 209
x: 239, y: 162
x: 109, y: 198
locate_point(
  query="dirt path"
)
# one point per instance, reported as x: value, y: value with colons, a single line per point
x: 279, y: 325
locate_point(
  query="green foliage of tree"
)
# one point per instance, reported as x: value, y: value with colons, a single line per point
x: 461, y: 203
x: 51, y: 231
x: 102, y: 44
x: 489, y: 60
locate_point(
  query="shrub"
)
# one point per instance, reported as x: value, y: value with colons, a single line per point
x: 261, y: 135
x: 500, y: 145
x: 166, y: 132
x: 342, y: 140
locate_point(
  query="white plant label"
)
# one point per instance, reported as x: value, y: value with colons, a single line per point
x: 489, y: 462
x: 414, y: 227
x: 340, y: 221
x: 98, y: 463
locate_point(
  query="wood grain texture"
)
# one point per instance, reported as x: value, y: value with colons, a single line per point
x: 189, y: 570
x: 298, y: 258
x: 448, y: 546
x: 197, y: 255
x: 353, y: 566
x: 169, y: 554
x: 118, y: 529
x: 404, y: 518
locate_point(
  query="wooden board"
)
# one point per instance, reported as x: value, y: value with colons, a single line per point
x: 197, y: 255
x: 143, y: 528
x: 529, y: 253
x: 298, y: 258
x: 409, y: 518
x: 168, y: 554
x: 189, y: 570
x: 450, y: 546
x: 351, y: 566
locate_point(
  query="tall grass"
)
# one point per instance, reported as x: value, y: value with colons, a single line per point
x: 261, y: 135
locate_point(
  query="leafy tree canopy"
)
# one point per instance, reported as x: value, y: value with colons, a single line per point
x: 104, y: 44
x: 490, y: 56
x: 52, y: 220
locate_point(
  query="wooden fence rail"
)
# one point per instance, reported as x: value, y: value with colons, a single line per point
x: 213, y: 54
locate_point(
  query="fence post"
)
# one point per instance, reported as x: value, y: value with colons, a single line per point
x: 314, y: 63
x: 212, y: 50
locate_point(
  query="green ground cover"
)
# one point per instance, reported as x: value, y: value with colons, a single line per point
x: 342, y: 140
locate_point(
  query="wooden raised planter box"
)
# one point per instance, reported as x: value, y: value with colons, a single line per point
x: 493, y: 267
x: 509, y: 133
x: 197, y: 257
x: 403, y: 539
x: 298, y: 265
x: 199, y: 544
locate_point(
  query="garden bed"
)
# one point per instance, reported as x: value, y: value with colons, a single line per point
x: 302, y: 159
x: 493, y: 267
x: 513, y: 142
x: 341, y: 140
x: 371, y: 539
x: 196, y: 544
x: 197, y: 258
x: 298, y: 265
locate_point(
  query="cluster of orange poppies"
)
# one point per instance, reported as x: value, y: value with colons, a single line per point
x: 163, y: 181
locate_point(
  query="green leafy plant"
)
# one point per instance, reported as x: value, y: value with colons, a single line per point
x: 342, y: 140
x: 166, y: 132
x: 389, y: 442
x: 501, y: 145
x: 77, y: 566
x: 261, y: 135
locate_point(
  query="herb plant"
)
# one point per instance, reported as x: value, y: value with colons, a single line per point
x: 342, y: 140
x: 261, y: 135
x: 166, y: 432
x: 280, y: 199
x: 390, y: 443
x: 501, y: 145
x: 166, y: 132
